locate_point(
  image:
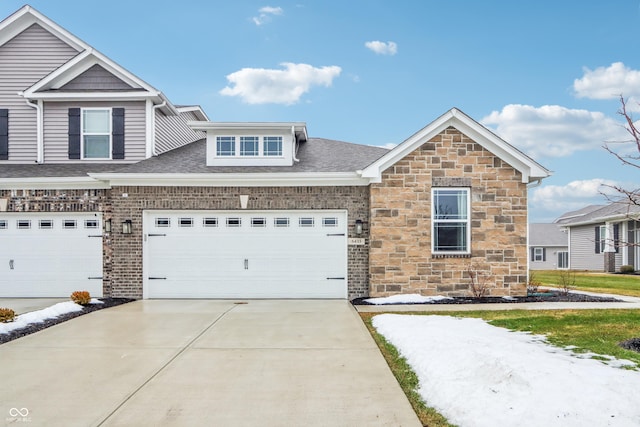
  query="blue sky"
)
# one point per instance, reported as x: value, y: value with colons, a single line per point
x: 544, y: 75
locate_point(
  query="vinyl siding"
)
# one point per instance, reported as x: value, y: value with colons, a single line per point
x: 95, y: 78
x: 56, y: 129
x: 24, y: 60
x: 173, y: 132
x: 551, y: 262
x: 583, y: 256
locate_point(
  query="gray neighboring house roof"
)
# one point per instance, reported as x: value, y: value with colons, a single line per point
x: 599, y: 213
x: 315, y: 155
x: 547, y: 235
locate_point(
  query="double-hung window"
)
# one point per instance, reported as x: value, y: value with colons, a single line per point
x: 96, y: 133
x: 451, y: 222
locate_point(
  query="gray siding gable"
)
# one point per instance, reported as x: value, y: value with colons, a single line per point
x: 24, y: 60
x: 95, y: 78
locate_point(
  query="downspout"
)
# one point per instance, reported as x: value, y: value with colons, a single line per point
x: 39, y: 138
x: 295, y: 144
x: 153, y: 127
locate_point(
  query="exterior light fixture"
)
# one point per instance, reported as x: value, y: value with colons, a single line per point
x: 126, y: 226
x: 107, y: 226
x: 358, y: 227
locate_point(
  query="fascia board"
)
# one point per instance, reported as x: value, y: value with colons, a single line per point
x: 26, y: 16
x: 89, y: 96
x: 45, y: 183
x: 79, y: 64
x: 614, y: 218
x: 199, y: 112
x: 529, y: 169
x: 204, y: 126
x: 234, y: 179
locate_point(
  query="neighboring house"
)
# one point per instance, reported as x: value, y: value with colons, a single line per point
x: 548, y: 247
x: 106, y: 186
x: 603, y: 238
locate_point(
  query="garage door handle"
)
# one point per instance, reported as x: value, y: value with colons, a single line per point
x: 246, y: 264
x: 335, y: 234
x: 156, y: 235
x: 335, y: 278
x: 95, y: 278
x: 157, y: 278
x: 95, y: 235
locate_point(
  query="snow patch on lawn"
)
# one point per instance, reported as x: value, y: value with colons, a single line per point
x: 480, y: 375
x: 39, y: 316
x: 405, y: 299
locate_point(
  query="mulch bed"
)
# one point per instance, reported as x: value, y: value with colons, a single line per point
x: 552, y: 297
x: 35, y: 327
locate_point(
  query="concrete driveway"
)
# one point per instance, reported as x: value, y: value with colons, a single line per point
x: 203, y: 362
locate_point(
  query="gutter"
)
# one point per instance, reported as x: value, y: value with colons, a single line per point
x: 39, y: 131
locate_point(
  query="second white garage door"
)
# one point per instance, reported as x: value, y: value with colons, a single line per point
x: 245, y: 254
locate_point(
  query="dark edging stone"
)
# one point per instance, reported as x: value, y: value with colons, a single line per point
x: 35, y: 327
x: 551, y: 297
x: 633, y: 344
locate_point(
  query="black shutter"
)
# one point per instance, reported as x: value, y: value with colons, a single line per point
x: 117, y: 133
x: 532, y: 254
x: 597, y: 240
x: 74, y: 133
x: 616, y: 237
x: 544, y: 254
x: 4, y: 134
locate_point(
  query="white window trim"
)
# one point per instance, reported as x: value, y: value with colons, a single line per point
x: 237, y: 154
x: 538, y: 252
x: 82, y: 133
x: 603, y: 238
x: 467, y: 222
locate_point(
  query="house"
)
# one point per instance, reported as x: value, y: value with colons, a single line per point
x: 107, y: 186
x: 548, y: 247
x: 603, y: 237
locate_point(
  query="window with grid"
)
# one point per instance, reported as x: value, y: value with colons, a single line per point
x: 272, y: 146
x: 249, y: 145
x: 225, y: 146
x: 451, y: 222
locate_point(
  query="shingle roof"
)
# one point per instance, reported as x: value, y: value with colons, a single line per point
x: 316, y: 155
x: 54, y: 170
x: 597, y: 213
x: 547, y: 235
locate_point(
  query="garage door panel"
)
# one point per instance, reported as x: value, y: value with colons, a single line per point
x: 56, y: 255
x: 256, y: 258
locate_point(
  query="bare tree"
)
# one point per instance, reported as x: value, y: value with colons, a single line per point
x: 630, y: 196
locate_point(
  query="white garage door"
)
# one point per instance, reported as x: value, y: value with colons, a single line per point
x: 259, y: 254
x: 50, y: 254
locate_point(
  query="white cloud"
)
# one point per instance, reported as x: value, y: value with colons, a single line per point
x: 553, y: 130
x: 574, y: 195
x: 382, y: 48
x: 286, y: 86
x: 608, y: 83
x: 266, y: 13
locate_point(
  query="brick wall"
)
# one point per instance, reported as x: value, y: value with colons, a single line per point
x: 401, y: 260
x: 125, y: 261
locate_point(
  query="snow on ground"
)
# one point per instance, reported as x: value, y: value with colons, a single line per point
x: 480, y: 375
x: 405, y: 299
x: 40, y: 316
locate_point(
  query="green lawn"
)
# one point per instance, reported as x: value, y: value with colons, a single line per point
x: 597, y: 331
x: 621, y: 284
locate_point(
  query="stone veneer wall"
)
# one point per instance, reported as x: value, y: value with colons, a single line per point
x: 400, y: 242
x: 125, y: 269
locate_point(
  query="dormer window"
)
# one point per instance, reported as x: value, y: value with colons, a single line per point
x: 96, y: 133
x: 273, y: 146
x: 225, y: 146
x: 252, y: 144
x: 249, y: 146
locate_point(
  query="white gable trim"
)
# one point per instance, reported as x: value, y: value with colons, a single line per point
x: 530, y: 169
x: 25, y: 17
